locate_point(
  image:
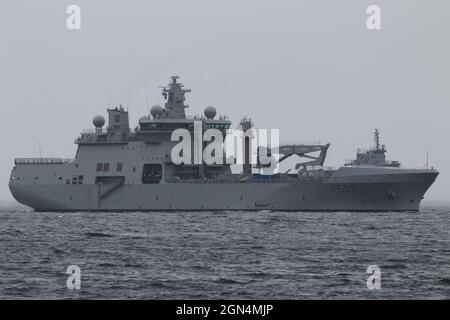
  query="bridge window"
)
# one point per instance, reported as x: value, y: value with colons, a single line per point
x: 151, y: 173
x: 102, y: 167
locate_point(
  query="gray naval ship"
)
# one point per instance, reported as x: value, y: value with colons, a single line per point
x: 118, y: 169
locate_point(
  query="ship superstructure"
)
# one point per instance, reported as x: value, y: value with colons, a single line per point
x: 117, y: 168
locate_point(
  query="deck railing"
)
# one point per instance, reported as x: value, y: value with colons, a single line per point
x: 41, y: 161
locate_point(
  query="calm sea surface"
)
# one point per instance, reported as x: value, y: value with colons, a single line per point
x: 225, y: 255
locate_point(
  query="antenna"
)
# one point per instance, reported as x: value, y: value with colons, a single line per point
x: 427, y: 160
x: 146, y: 101
x: 377, y: 139
x: 110, y: 98
x: 40, y: 150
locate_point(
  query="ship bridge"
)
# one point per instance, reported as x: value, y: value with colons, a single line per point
x: 374, y: 156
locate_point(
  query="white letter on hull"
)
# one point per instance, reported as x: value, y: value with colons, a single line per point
x: 181, y: 152
x: 213, y: 153
x: 198, y: 142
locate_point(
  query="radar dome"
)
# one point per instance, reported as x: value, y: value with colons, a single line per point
x: 246, y: 123
x: 143, y: 120
x: 98, y: 121
x: 156, y: 111
x: 210, y: 112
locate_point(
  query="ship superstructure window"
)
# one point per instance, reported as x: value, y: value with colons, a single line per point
x: 151, y: 173
x: 80, y: 179
x: 119, y: 167
x: 102, y: 167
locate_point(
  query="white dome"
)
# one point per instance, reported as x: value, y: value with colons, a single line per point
x: 143, y: 119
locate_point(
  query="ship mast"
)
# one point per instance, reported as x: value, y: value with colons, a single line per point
x: 377, y: 139
x: 174, y: 95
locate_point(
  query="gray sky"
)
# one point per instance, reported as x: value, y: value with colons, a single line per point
x: 310, y: 68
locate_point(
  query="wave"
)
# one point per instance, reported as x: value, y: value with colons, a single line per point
x: 99, y: 234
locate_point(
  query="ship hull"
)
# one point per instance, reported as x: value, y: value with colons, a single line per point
x: 346, y: 193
